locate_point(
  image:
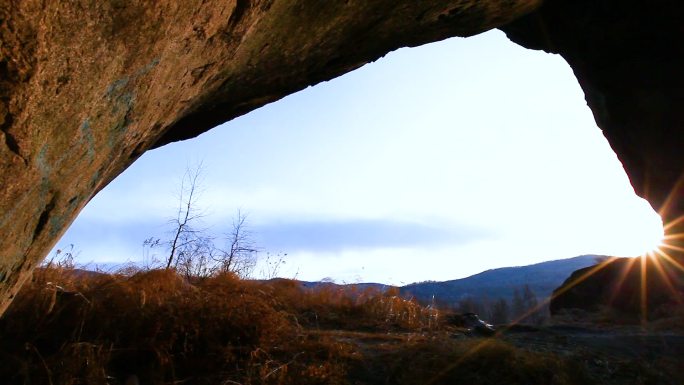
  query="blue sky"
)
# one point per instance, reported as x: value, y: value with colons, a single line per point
x: 435, y: 162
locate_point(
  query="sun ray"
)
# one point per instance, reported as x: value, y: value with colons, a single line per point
x: 650, y: 256
x: 623, y: 275
x: 559, y: 292
x: 479, y: 346
x: 671, y: 260
x: 673, y: 223
x: 621, y: 279
x: 672, y: 247
x: 669, y: 237
x: 644, y: 290
x: 583, y: 277
x: 672, y: 196
x: 531, y: 311
x: 666, y: 278
x: 600, y: 266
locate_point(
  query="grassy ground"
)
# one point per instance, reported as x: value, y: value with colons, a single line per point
x: 68, y: 327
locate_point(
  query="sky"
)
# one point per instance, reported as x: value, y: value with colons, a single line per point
x: 432, y: 163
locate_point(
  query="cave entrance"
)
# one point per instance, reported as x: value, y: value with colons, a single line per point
x: 434, y: 162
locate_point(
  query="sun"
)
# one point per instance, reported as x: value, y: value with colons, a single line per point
x: 645, y: 237
x: 655, y: 244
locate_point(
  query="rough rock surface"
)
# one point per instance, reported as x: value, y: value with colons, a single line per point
x: 87, y: 86
x: 627, y: 56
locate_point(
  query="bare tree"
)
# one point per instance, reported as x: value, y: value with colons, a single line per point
x: 184, y: 234
x: 201, y: 258
x: 240, y: 257
x: 193, y: 259
x: 271, y: 266
x: 192, y: 252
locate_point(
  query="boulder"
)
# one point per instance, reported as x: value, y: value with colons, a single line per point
x: 631, y: 289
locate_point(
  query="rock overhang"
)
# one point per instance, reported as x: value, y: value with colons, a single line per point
x: 87, y: 88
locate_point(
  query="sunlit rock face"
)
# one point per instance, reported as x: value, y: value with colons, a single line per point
x: 87, y: 86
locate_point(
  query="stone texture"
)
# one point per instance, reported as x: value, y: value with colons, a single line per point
x: 86, y: 86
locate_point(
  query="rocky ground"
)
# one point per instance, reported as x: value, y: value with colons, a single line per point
x: 596, y: 355
x: 616, y: 355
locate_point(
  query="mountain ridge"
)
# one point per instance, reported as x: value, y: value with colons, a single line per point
x: 489, y: 285
x: 542, y: 278
x: 492, y: 284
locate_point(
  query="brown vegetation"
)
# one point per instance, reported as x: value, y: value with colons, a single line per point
x: 68, y: 326
x: 71, y: 327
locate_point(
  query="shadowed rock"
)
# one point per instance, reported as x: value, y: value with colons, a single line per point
x: 626, y: 55
x: 637, y: 288
x: 627, y: 58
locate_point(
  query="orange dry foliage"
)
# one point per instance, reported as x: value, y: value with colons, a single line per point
x: 70, y: 326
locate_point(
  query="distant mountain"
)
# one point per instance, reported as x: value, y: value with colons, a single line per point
x: 349, y: 288
x: 542, y: 278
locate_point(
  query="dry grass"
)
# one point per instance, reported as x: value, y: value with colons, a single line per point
x: 475, y: 361
x: 71, y: 327
x: 68, y: 327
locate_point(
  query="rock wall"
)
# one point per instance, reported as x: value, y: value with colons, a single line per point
x: 627, y: 56
x: 87, y: 86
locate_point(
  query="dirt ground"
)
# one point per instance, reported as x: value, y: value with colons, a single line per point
x: 616, y: 355
x: 605, y: 355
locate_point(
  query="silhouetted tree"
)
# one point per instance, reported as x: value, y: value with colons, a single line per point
x: 499, y: 311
